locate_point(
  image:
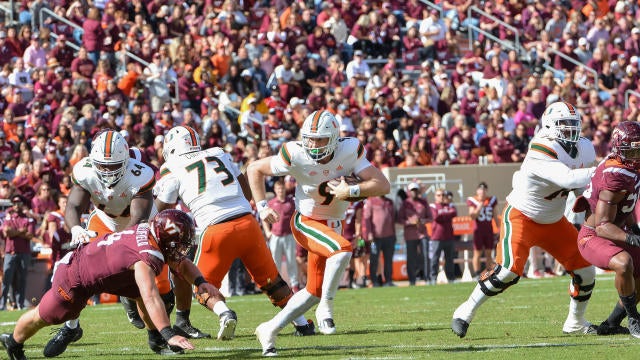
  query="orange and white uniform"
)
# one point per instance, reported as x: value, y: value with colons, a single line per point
x: 317, y: 222
x: 534, y: 213
x: 112, y: 204
x: 206, y: 181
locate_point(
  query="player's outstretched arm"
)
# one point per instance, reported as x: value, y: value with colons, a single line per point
x: 257, y: 171
x: 560, y: 174
x: 207, y: 294
x: 154, y: 308
x: 77, y: 204
x: 141, y: 206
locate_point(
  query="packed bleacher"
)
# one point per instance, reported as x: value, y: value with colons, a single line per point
x: 419, y: 85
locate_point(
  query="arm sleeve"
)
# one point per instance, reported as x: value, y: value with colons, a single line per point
x: 559, y: 174
x: 167, y: 189
x: 281, y: 163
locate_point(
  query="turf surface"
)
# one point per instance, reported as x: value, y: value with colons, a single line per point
x: 378, y: 323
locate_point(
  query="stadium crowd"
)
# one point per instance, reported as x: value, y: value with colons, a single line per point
x: 397, y: 75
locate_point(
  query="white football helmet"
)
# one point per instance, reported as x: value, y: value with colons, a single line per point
x: 319, y: 125
x: 109, y: 155
x: 561, y: 121
x: 180, y: 140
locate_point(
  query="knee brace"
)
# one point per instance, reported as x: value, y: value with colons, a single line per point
x: 169, y: 300
x: 496, y: 280
x: 278, y: 292
x: 582, y: 283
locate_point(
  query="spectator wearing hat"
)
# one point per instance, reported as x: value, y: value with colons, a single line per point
x: 358, y: 69
x: 432, y: 34
x: 18, y: 229
x: 35, y: 55
x: 251, y: 121
x: 413, y: 214
x: 561, y: 63
x: 582, y: 51
x: 632, y: 44
x: 442, y: 238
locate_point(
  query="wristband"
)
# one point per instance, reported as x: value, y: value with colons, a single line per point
x: 167, y: 333
x: 199, y: 281
x: 632, y: 239
x: 261, y: 205
x: 354, y: 190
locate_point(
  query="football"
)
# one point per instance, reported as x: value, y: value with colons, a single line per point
x: 350, y: 180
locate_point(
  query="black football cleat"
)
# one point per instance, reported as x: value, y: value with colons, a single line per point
x: 61, y: 340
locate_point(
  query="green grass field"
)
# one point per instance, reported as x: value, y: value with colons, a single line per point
x: 379, y: 323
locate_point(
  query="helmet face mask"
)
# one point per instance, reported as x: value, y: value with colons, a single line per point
x: 320, y: 132
x: 562, y: 122
x: 625, y: 143
x: 109, y: 156
x: 174, y: 231
x: 180, y: 140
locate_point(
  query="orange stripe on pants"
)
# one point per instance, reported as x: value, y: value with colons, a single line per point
x: 95, y: 224
x: 321, y: 241
x: 239, y: 238
x: 518, y: 234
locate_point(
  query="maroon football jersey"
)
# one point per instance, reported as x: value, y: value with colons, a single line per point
x: 484, y: 221
x: 613, y: 176
x: 105, y: 265
x: 349, y: 227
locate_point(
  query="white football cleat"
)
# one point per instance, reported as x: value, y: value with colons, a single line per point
x: 327, y: 326
x: 267, y: 338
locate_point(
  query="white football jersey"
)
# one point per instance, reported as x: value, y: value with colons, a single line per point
x: 312, y: 193
x: 206, y: 181
x: 114, y: 201
x: 546, y: 177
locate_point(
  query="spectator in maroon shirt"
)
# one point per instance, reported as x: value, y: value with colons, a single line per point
x: 560, y: 63
x: 18, y: 229
x: 62, y: 53
x: 379, y: 221
x: 501, y: 147
x: 414, y: 213
x: 537, y: 104
x: 7, y: 52
x: 82, y: 67
x: 391, y: 35
x: 442, y: 238
x: 93, y: 35
x: 43, y: 202
x: 413, y: 11
x: 468, y: 106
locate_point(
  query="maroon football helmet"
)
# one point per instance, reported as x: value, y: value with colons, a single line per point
x: 174, y: 231
x: 625, y: 143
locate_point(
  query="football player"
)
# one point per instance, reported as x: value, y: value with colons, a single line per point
x: 558, y: 161
x: 122, y: 263
x: 214, y: 190
x: 482, y: 210
x: 321, y: 156
x: 120, y: 189
x: 609, y: 237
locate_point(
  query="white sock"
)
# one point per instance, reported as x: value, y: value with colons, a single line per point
x: 333, y: 271
x: 577, y: 310
x: 467, y: 310
x: 72, y: 324
x: 220, y: 307
x: 299, y: 303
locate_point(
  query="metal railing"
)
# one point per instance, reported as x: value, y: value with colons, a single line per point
x: 8, y: 10
x: 517, y: 46
x: 626, y: 97
x: 128, y: 55
x: 592, y: 71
